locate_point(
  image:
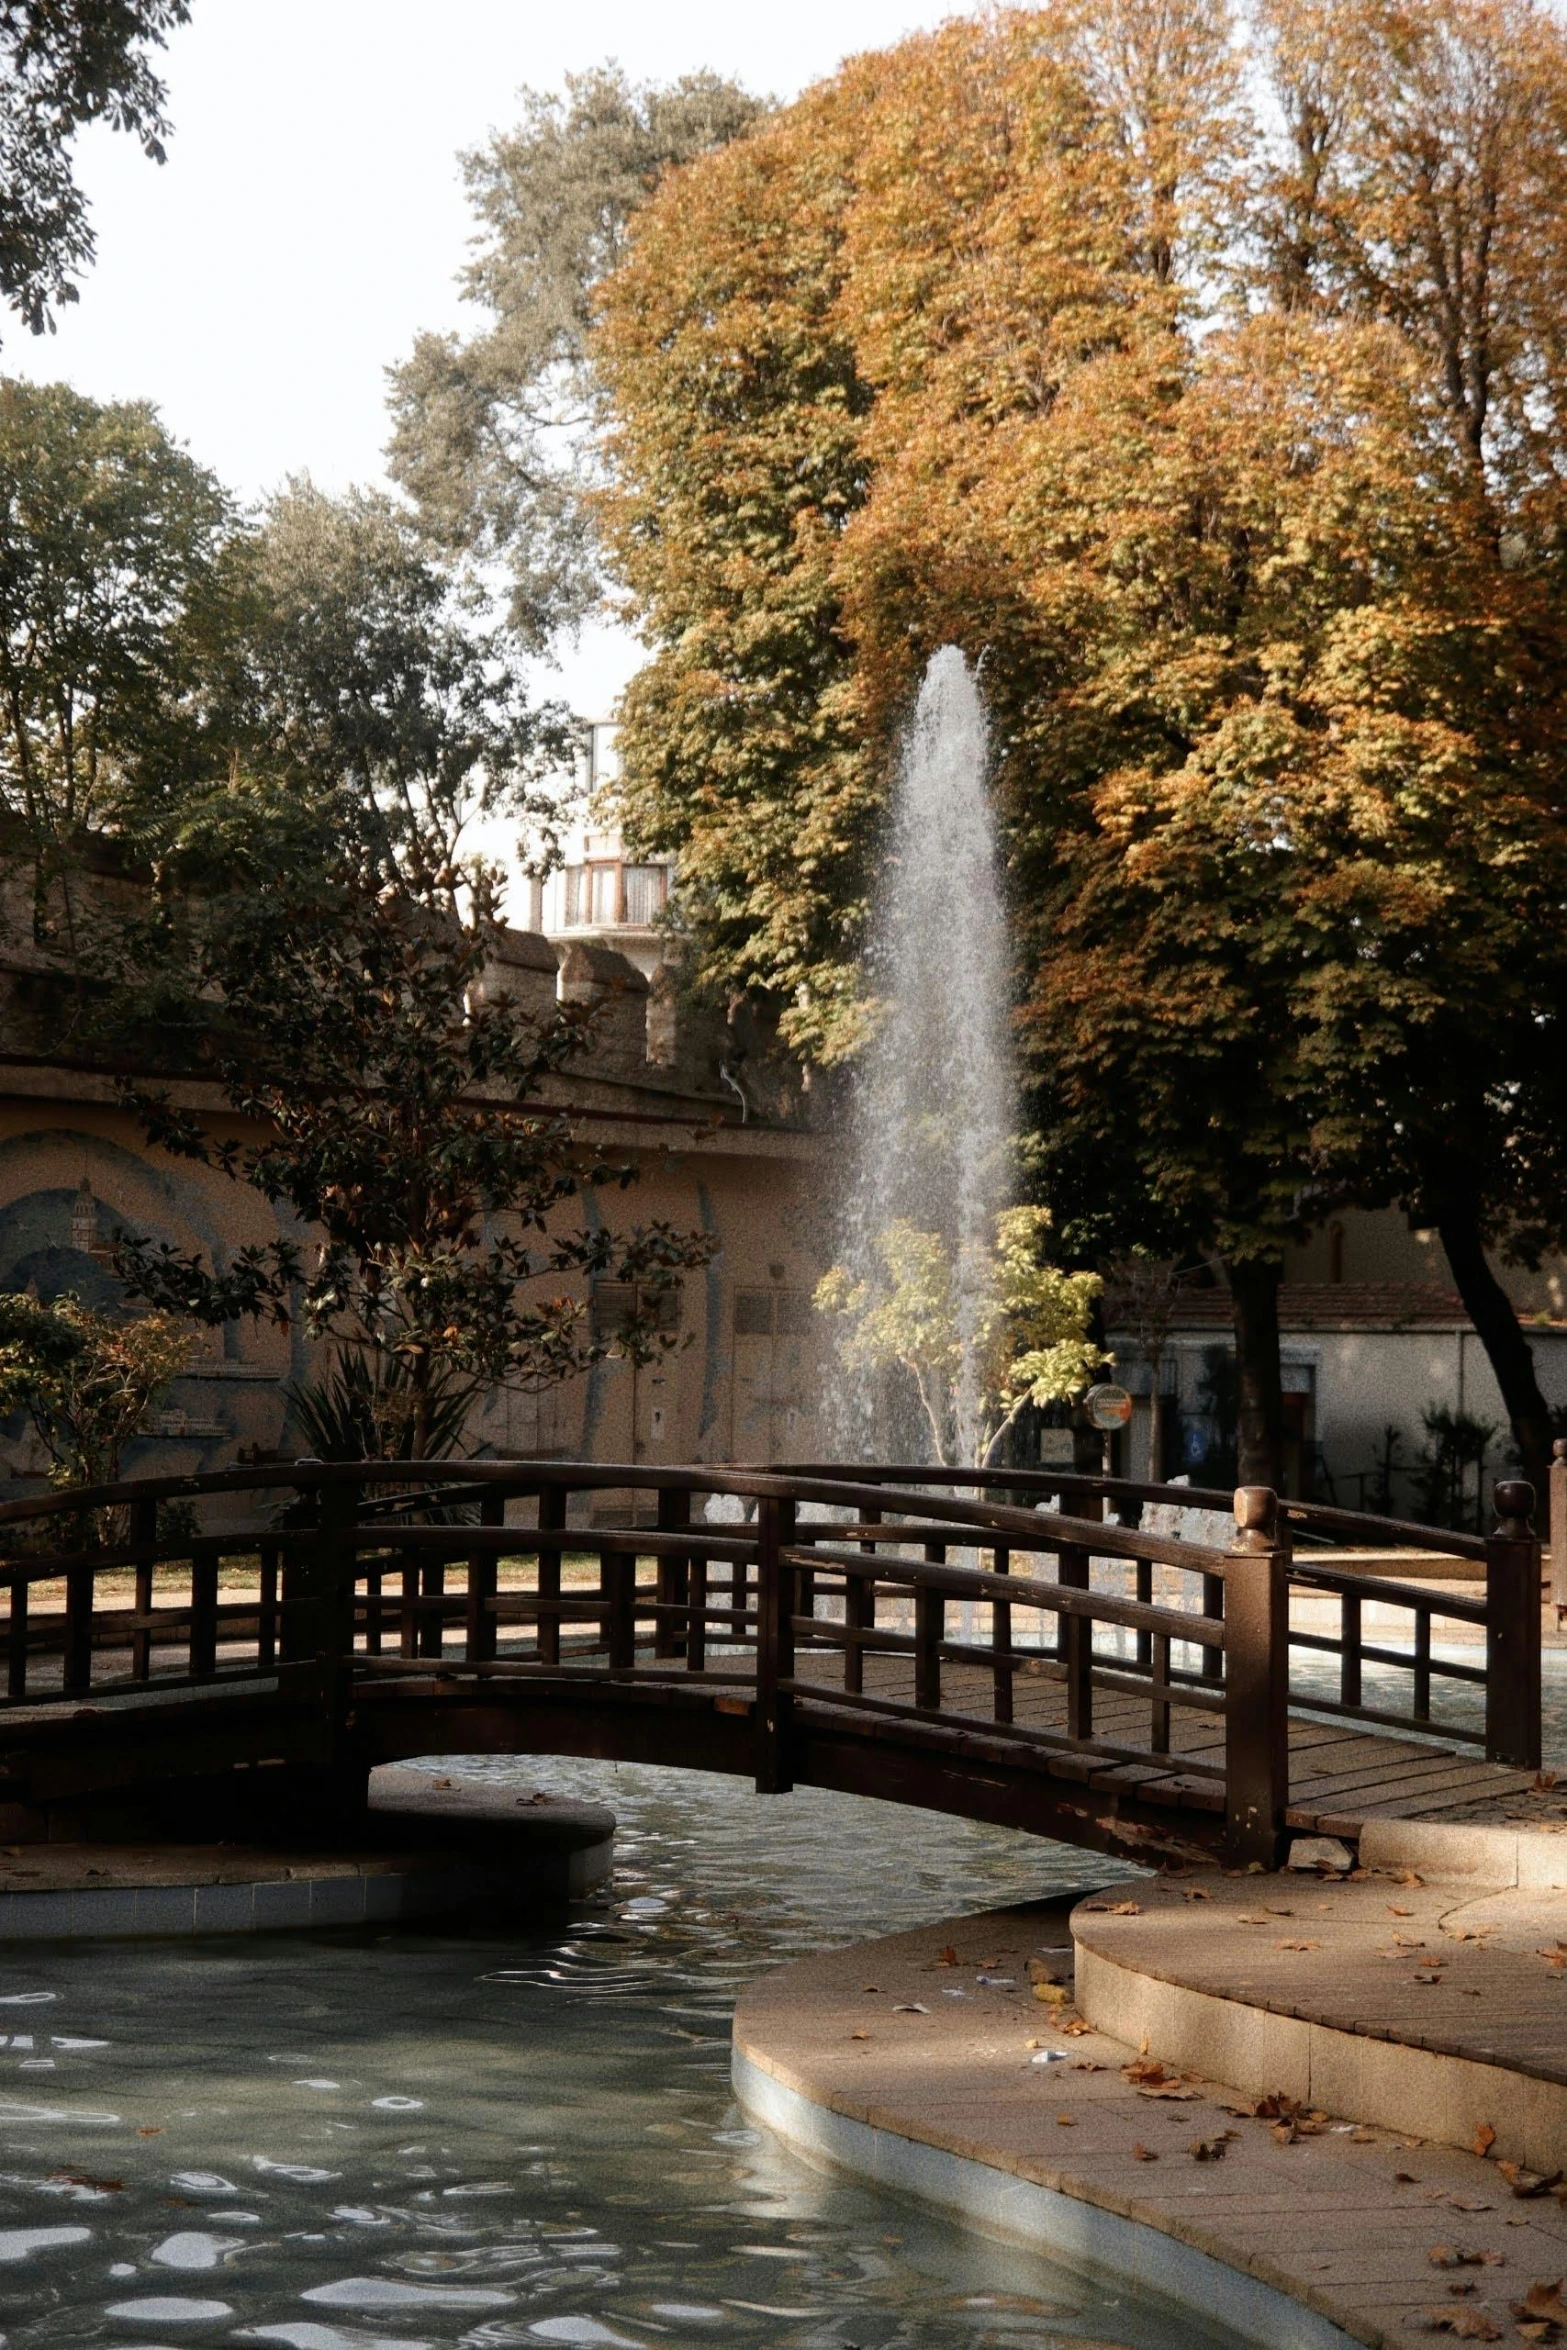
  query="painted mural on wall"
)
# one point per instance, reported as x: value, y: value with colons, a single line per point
x: 66, y: 1191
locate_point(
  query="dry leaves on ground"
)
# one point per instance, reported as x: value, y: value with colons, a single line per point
x: 1142, y: 2153
x: 910, y: 2007
x: 1526, y: 2184
x: 1149, y: 2078
x: 946, y: 1956
x: 1556, y: 1958
x: 1212, y: 2149
x: 1470, y: 2325
x: 1462, y: 2256
x: 1484, y: 2139
x: 1297, y: 1946
x: 1541, y: 2316
x: 1115, y: 1909
x: 1195, y: 1893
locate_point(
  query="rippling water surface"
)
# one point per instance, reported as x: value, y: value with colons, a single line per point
x: 335, y: 2144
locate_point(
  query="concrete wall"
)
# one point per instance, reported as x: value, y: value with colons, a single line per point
x: 740, y: 1384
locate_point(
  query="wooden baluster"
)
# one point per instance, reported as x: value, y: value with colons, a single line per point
x: 1001, y: 1645
x: 1350, y: 1648
x: 696, y: 1621
x: 16, y: 1638
x: 552, y: 1519
x: 432, y: 1620
x: 1558, y: 1528
x: 1256, y: 1682
x: 930, y: 1629
x: 1074, y: 1563
x: 143, y: 1529
x: 203, y: 1613
x: 774, y: 1647
x: 1512, y: 1630
x: 483, y: 1578
x: 1072, y: 1572
x: 1159, y: 1684
x: 859, y: 1611
x: 1421, y: 1708
x: 266, y: 1614
x: 77, y: 1676
x: 408, y: 1625
x: 1212, y: 1665
x: 672, y: 1638
x: 1144, y: 1591
x: 1079, y: 1659
x: 618, y: 1587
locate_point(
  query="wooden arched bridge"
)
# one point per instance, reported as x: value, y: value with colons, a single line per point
x: 1026, y: 1648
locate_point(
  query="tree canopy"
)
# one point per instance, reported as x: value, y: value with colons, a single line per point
x: 1227, y: 441
x: 64, y: 63
x: 491, y: 433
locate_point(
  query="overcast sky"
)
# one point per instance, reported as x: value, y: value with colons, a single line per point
x: 310, y: 218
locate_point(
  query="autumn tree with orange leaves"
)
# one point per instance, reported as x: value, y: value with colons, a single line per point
x: 1207, y: 390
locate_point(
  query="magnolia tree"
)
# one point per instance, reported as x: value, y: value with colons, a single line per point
x: 980, y: 1333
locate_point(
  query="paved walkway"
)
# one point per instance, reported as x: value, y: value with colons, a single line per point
x: 935, y: 2038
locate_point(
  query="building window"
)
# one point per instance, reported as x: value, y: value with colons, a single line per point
x: 606, y: 896
x: 574, y: 879
x: 646, y: 893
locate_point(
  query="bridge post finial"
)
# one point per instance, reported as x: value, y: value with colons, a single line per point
x: 1256, y: 1517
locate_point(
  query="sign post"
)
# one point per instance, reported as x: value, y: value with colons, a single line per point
x: 1107, y: 1408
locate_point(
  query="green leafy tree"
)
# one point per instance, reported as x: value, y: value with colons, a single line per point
x: 64, y: 63
x: 109, y: 538
x: 340, y: 659
x: 86, y: 1380
x: 491, y: 433
x: 393, y: 1083
x: 979, y: 1336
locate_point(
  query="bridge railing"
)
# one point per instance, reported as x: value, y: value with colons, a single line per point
x: 1082, y: 1644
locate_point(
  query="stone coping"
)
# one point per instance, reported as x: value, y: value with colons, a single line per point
x: 1436, y: 2008
x: 442, y: 1847
x: 864, y: 2058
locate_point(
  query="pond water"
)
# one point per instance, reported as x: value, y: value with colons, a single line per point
x: 511, y: 2141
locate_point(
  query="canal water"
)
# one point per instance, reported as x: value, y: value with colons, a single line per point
x: 507, y: 2142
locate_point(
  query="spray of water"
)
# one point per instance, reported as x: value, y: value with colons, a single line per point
x: 934, y: 1099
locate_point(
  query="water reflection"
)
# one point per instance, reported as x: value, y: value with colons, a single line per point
x: 415, y: 2142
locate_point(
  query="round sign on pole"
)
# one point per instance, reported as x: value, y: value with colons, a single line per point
x: 1107, y: 1407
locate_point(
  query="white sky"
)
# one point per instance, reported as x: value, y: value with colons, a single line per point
x: 310, y: 218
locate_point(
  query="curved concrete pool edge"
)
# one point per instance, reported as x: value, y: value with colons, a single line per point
x: 442, y: 1848
x: 950, y: 2064
x: 1060, y: 2221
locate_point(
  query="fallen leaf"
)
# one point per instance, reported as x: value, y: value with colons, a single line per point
x: 1086, y: 2064
x: 1408, y: 1877
x: 82, y: 2178
x: 859, y: 2035
x: 947, y: 1956
x: 1052, y: 1994
x: 872, y: 1991
x: 1195, y: 1893
x: 1142, y: 2153
x: 1454, y: 2256
x: 1544, y: 2305
x: 1405, y: 2178
x: 1362, y: 2137
x: 1470, y: 2325
x: 1211, y: 2149
x: 910, y: 2007
x: 1425, y: 1975
x: 1395, y: 1911
x: 156, y: 2132
x: 1297, y: 1946
x: 1066, y: 2121
x: 1484, y: 2139
x: 1252, y: 1921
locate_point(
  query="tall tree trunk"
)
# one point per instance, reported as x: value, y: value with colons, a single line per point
x: 1254, y: 1302
x: 1508, y: 1351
